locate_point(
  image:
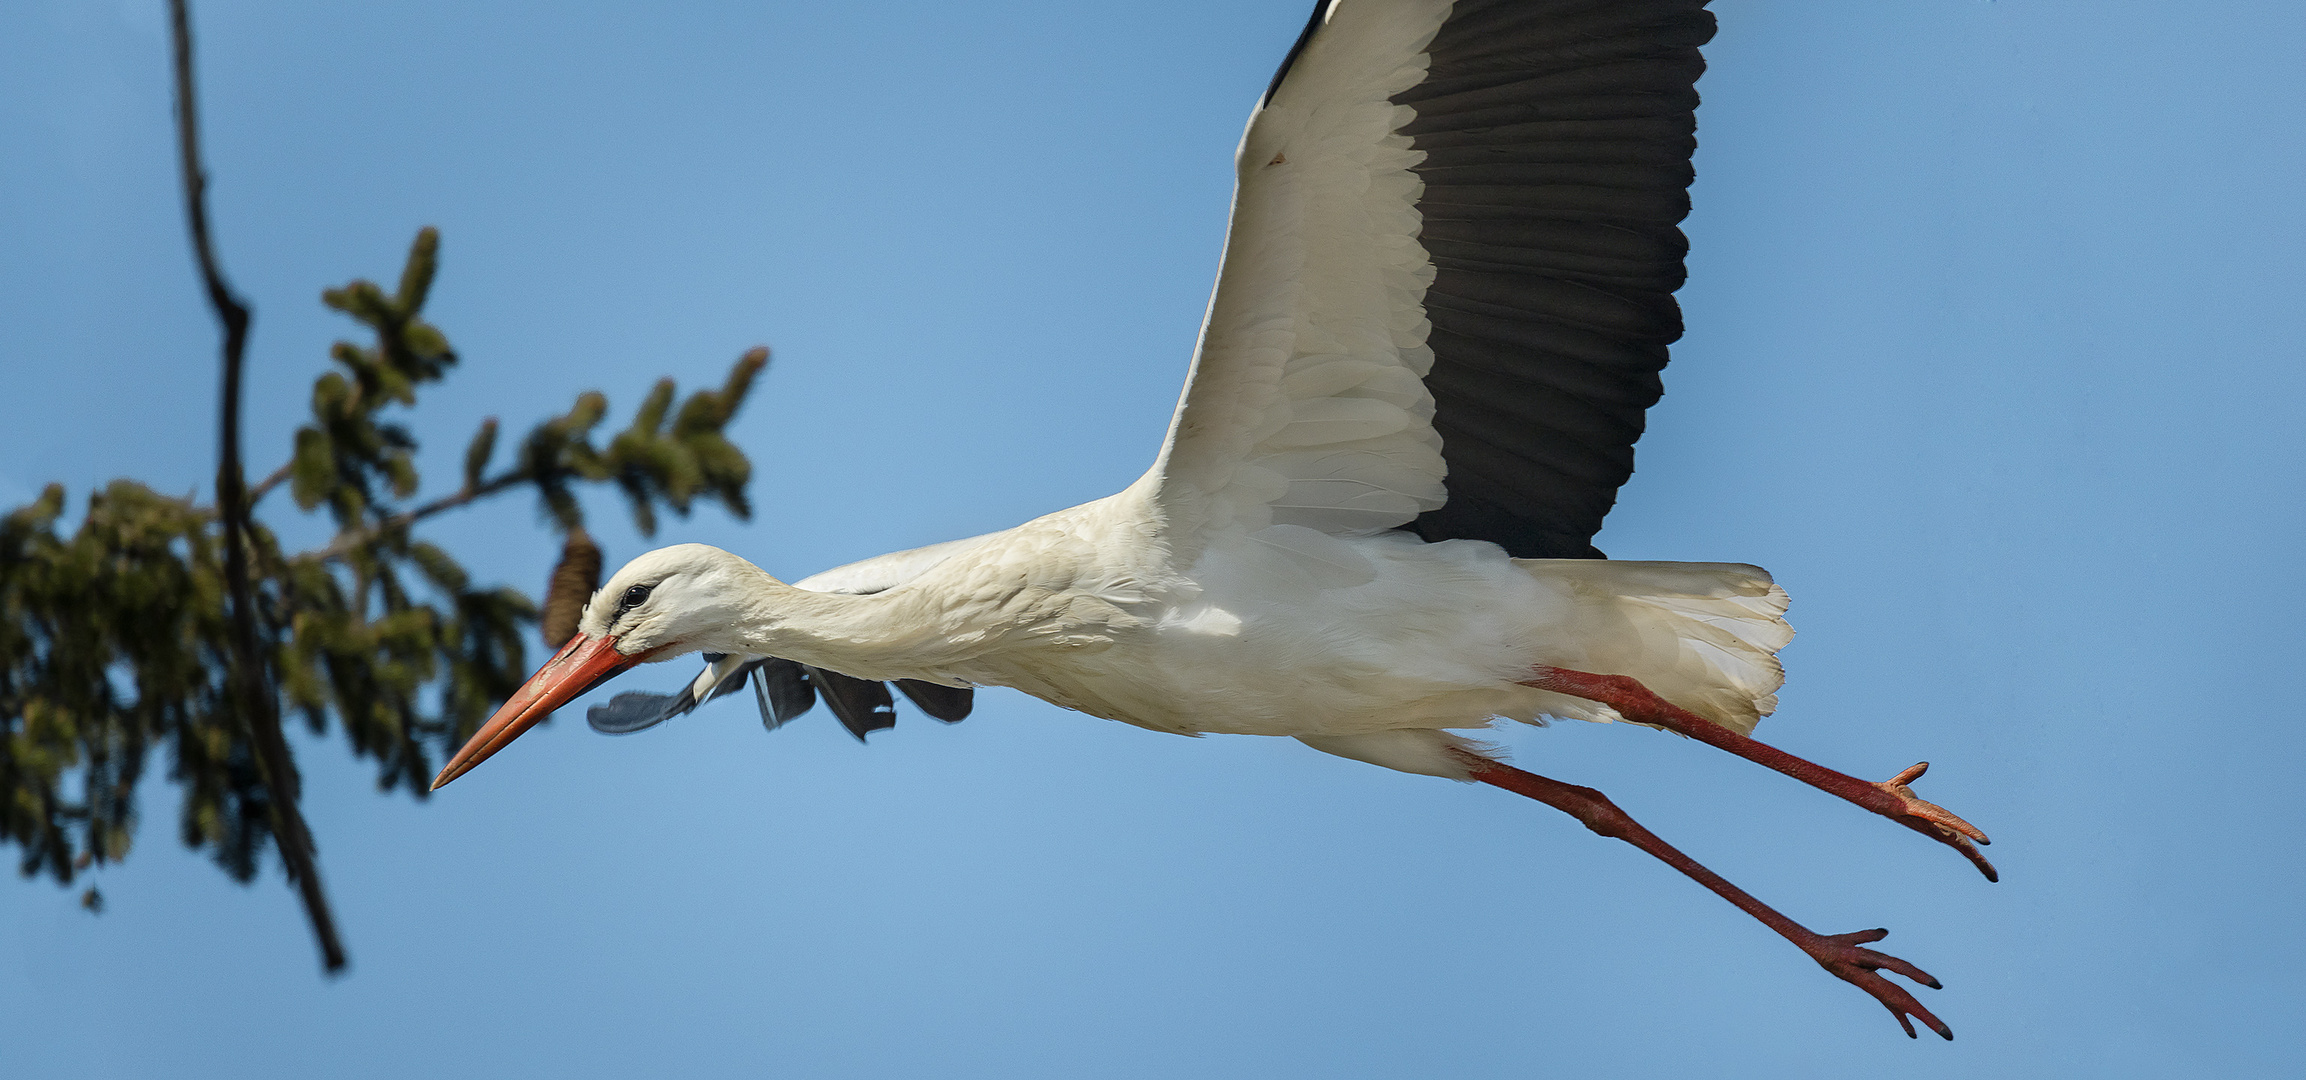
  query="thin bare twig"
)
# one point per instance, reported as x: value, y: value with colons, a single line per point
x: 248, y: 678
x: 349, y: 539
x: 264, y: 487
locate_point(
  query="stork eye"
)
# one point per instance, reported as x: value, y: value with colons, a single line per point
x: 634, y: 597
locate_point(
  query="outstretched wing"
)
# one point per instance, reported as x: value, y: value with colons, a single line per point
x: 1447, y: 288
x: 784, y: 689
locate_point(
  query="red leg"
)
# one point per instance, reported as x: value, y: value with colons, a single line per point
x: 1837, y: 953
x: 1891, y: 798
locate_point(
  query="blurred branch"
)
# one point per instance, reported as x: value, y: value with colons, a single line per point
x: 255, y: 698
x: 264, y: 487
x: 351, y: 540
x: 636, y: 460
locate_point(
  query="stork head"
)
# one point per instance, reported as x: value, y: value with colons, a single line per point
x: 674, y: 601
x: 667, y: 603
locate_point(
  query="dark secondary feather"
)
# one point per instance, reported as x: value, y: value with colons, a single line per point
x: 861, y: 705
x: 784, y: 690
x: 950, y: 704
x: 640, y: 710
x: 1557, y: 137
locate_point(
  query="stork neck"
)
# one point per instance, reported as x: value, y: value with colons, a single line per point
x: 893, y: 634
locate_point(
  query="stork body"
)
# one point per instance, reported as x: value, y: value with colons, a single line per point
x: 1367, y: 647
x: 1444, y: 303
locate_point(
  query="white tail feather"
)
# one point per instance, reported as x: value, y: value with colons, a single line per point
x: 1704, y: 636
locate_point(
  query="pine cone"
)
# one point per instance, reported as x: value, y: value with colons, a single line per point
x: 573, y: 580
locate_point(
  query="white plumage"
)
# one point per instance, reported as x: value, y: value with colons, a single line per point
x: 1363, y: 646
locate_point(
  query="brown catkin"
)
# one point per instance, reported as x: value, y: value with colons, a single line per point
x: 573, y: 580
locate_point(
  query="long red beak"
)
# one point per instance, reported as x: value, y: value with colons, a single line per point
x: 581, y: 665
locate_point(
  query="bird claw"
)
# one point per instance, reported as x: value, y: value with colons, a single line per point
x: 1934, y: 821
x: 1841, y: 955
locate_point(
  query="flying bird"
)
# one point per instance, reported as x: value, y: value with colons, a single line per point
x: 1445, y: 300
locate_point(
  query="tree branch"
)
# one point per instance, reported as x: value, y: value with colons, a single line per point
x: 257, y: 704
x: 264, y: 487
x: 349, y: 539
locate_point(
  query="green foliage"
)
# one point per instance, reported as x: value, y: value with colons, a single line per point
x: 651, y: 465
x: 113, y: 639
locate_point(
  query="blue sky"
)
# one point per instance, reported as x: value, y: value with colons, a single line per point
x: 1992, y: 360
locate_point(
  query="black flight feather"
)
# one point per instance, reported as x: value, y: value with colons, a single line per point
x: 782, y: 688
x: 950, y: 704
x: 861, y: 705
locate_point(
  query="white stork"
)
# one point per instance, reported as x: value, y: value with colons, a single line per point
x: 1445, y: 299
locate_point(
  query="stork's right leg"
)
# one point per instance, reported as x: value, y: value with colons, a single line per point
x: 1837, y: 953
x: 1890, y: 798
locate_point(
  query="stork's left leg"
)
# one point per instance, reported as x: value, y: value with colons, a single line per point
x: 1840, y: 954
x: 1890, y: 798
